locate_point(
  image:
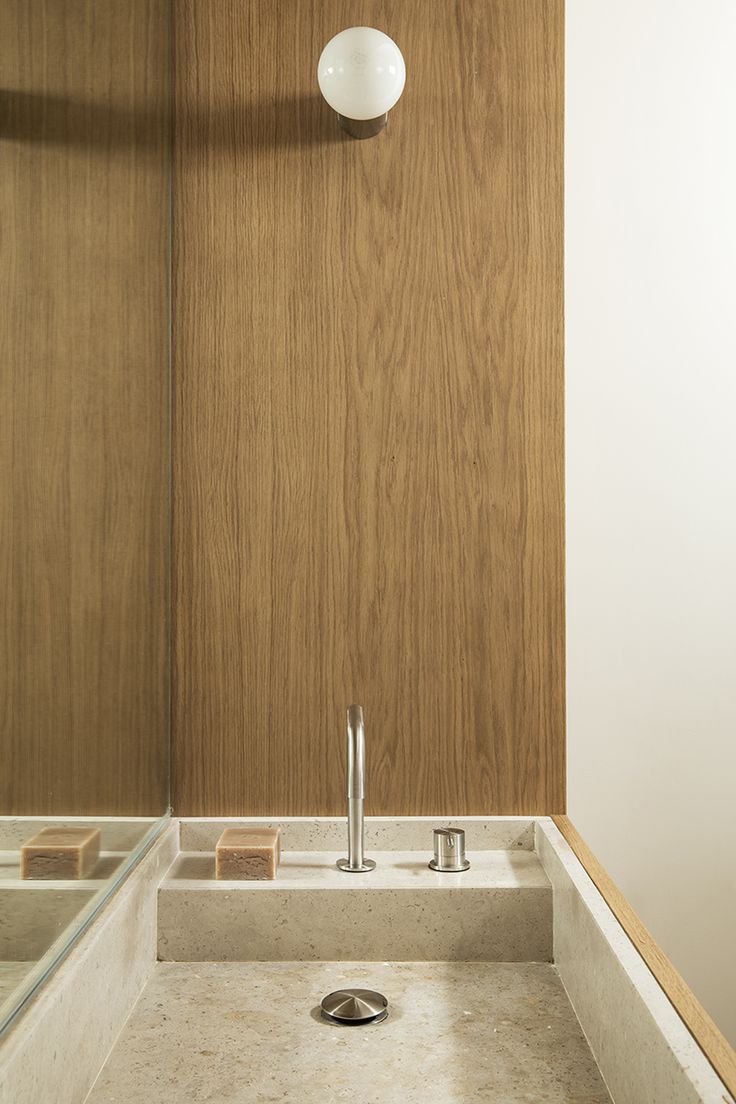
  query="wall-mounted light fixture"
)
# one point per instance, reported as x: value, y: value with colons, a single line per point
x: 361, y: 74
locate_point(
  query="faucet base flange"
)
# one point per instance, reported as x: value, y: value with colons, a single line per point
x: 363, y: 868
x: 432, y: 864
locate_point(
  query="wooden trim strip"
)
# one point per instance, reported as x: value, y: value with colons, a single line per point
x: 711, y: 1041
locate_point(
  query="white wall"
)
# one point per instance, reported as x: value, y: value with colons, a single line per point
x: 651, y: 467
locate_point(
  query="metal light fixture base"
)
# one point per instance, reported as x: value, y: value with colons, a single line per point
x: 362, y: 868
x: 363, y: 128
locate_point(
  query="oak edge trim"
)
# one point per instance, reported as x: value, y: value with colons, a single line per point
x: 707, y: 1035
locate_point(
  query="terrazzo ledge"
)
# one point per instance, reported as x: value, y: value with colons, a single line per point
x: 498, y: 910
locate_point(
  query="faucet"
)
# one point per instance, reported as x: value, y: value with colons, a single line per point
x: 355, y: 863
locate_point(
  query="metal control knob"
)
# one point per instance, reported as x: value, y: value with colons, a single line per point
x: 449, y: 851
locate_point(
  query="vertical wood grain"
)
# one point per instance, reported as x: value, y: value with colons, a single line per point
x: 368, y: 452
x: 84, y: 511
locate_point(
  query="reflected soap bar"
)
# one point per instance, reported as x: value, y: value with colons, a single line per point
x: 248, y: 854
x: 60, y: 853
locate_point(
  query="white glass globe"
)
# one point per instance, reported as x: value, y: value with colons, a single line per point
x: 361, y: 73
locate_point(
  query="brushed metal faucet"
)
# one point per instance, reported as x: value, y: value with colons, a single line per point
x: 356, y: 862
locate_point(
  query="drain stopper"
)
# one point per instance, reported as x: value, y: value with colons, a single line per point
x: 355, y: 1006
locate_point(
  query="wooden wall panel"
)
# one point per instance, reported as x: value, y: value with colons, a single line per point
x: 84, y: 381
x: 368, y: 455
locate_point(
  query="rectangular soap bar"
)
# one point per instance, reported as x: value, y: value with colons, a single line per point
x: 248, y: 854
x: 60, y: 853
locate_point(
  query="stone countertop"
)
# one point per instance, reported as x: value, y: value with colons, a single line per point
x: 11, y: 975
x: 394, y: 870
x: 251, y: 1033
x: 500, y: 910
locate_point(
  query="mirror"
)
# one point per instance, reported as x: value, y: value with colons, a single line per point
x: 84, y: 458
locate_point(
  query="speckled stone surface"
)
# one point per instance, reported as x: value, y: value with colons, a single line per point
x: 11, y: 975
x: 381, y: 833
x: 83, y: 1006
x: 237, y: 1033
x: 394, y: 870
x: 644, y: 1050
x: 33, y: 916
x: 499, y: 910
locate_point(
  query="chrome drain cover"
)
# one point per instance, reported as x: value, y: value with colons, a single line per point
x: 355, y: 1006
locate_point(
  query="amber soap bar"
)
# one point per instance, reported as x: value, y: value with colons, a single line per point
x: 60, y: 853
x: 248, y: 854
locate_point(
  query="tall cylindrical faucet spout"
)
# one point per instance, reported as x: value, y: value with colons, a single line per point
x: 356, y: 862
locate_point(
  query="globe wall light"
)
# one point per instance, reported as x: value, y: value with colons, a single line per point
x: 361, y: 74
